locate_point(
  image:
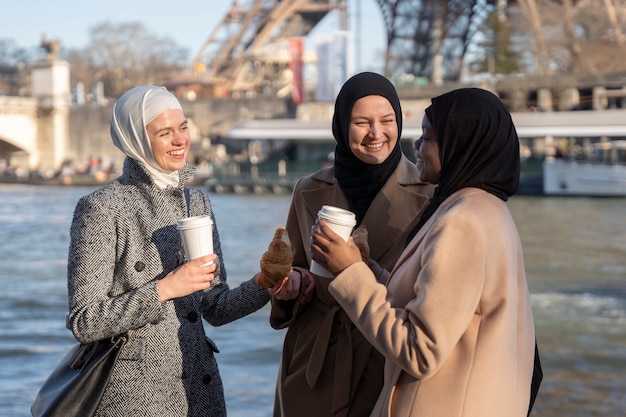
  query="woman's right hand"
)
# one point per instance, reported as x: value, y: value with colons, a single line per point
x: 188, y: 278
x: 330, y: 250
x: 299, y: 283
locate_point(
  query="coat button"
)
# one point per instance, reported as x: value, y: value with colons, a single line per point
x: 140, y: 266
x: 206, y: 380
x: 192, y: 316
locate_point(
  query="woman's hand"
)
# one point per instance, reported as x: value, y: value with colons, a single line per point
x: 300, y: 280
x: 308, y: 286
x: 330, y: 250
x: 188, y: 278
x: 287, y: 288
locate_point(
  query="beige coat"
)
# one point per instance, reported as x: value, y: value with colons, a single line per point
x: 328, y: 368
x: 455, y: 321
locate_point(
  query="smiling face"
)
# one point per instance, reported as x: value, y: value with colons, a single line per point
x: 427, y: 154
x: 169, y: 139
x: 373, y: 130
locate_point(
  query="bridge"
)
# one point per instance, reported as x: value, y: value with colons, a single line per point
x: 19, y: 127
x: 43, y: 131
x: 34, y: 130
x: 529, y: 125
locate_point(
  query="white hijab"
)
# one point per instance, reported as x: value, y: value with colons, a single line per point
x: 131, y: 114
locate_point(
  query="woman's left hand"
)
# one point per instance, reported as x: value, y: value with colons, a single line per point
x: 330, y: 251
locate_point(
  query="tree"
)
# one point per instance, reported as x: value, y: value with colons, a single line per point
x: 13, y: 74
x: 125, y: 55
x: 11, y: 54
x: 496, y: 53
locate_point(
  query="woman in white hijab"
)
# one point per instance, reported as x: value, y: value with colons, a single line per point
x: 126, y: 274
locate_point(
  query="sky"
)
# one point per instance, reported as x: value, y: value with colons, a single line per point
x: 188, y: 22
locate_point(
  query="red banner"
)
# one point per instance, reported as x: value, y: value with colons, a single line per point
x: 296, y: 67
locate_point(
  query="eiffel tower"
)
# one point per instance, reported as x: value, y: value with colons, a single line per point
x: 249, y: 50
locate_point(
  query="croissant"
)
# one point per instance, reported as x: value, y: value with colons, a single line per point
x: 360, y: 236
x: 276, y: 262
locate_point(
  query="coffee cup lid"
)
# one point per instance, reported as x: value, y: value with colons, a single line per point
x: 337, y: 215
x: 193, y: 222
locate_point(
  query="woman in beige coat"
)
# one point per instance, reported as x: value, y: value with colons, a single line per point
x: 328, y: 368
x: 454, y: 319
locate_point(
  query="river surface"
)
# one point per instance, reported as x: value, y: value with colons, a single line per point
x: 575, y: 254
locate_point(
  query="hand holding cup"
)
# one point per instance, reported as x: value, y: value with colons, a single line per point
x: 192, y: 276
x: 330, y: 250
x: 341, y: 222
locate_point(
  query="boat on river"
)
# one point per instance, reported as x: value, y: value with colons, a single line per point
x: 599, y: 171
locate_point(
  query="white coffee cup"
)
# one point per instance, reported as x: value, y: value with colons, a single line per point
x: 341, y: 222
x: 197, y: 235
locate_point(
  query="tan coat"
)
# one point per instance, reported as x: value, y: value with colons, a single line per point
x: 342, y: 375
x: 455, y: 321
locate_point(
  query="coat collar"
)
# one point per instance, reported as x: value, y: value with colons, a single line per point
x: 392, y: 213
x: 135, y: 172
x: 402, y: 201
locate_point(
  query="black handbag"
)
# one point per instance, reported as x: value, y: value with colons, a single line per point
x: 76, y: 385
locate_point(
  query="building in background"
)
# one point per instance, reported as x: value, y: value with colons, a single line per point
x: 335, y: 64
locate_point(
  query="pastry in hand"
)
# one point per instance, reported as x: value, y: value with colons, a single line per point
x: 276, y: 262
x: 360, y: 240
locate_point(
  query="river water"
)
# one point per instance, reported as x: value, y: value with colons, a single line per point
x: 575, y: 251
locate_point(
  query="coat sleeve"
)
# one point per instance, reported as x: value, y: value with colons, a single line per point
x: 446, y: 279
x: 284, y: 312
x: 221, y: 304
x: 94, y: 313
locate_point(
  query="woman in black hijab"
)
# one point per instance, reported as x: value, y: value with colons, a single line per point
x: 454, y: 320
x: 478, y: 146
x: 328, y: 368
x: 359, y: 180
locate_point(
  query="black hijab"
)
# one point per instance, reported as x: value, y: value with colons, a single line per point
x: 358, y: 180
x: 478, y: 146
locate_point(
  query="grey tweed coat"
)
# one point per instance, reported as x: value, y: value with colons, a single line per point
x: 124, y: 239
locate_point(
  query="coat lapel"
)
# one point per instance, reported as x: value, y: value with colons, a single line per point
x: 395, y: 210
x: 328, y: 192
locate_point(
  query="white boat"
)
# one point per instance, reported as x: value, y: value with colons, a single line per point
x: 599, y: 173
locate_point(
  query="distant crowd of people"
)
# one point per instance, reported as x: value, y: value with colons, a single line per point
x: 98, y: 170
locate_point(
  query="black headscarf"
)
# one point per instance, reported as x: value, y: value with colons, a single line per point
x: 358, y: 180
x: 478, y: 146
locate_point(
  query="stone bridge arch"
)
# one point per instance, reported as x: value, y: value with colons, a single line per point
x: 18, y: 130
x: 34, y: 130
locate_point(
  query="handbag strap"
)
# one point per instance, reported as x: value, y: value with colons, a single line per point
x: 187, y: 200
x: 86, y: 350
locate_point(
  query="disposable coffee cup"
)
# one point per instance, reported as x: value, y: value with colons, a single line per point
x: 197, y: 235
x: 341, y: 222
